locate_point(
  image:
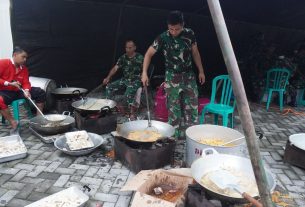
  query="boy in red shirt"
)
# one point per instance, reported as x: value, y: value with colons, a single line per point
x: 14, y: 75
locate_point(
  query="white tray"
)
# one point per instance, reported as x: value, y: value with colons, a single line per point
x: 73, y: 197
x: 14, y: 155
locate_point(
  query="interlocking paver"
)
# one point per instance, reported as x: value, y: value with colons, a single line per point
x: 36, y: 171
x: 13, y: 185
x: 52, y: 167
x: 62, y: 180
x: 16, y: 202
x: 106, y: 197
x: 5, y: 198
x: 92, y: 181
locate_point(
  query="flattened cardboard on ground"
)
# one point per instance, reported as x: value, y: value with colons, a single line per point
x: 145, y: 180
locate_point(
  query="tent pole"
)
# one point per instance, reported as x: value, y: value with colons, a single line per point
x: 241, y: 100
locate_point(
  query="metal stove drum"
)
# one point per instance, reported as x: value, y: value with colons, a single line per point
x: 295, y: 150
x: 95, y: 115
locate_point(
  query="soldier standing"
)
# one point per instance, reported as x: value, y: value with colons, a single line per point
x: 179, y: 47
x: 131, y: 65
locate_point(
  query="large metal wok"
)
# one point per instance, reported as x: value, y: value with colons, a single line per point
x: 61, y: 144
x: 215, y: 161
x: 164, y: 129
x: 93, y: 105
x: 39, y: 124
x: 69, y: 92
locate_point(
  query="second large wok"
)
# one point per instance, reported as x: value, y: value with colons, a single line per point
x: 39, y: 124
x: 210, y: 163
x: 93, y: 105
x: 164, y: 129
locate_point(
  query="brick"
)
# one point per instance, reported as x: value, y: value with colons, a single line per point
x: 80, y: 172
x: 92, y: 181
x: 13, y: 185
x: 45, y: 155
x: 116, y: 165
x: 79, y: 167
x: 42, y: 162
x: 108, y: 204
x: 32, y: 180
x: 37, y: 146
x: 35, y: 152
x: 26, y: 191
x: 123, y: 201
x: 117, y: 191
x: 75, y: 178
x: 35, y: 196
x: 18, y: 202
x: 54, y: 189
x: 5, y: 198
x: 2, y: 191
x: 119, y: 181
x: 44, y: 186
x: 29, y: 159
x: 52, y: 167
x: 91, y: 171
x: 62, y: 180
x: 49, y: 175
x: 106, y: 197
x: 296, y: 189
x: 20, y: 175
x: 291, y: 174
x: 66, y: 171
x: 4, y: 178
x: 119, y: 172
x: 66, y: 163
x: 10, y: 171
x: 106, y: 186
x: 37, y: 170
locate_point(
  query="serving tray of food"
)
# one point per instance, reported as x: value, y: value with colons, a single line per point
x: 70, y: 197
x: 12, y: 148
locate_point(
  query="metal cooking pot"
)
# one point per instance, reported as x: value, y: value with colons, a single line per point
x: 48, y: 85
x: 211, y: 161
x: 92, y: 105
x: 163, y: 128
x: 61, y: 144
x: 38, y: 124
x: 69, y: 92
x: 198, y: 132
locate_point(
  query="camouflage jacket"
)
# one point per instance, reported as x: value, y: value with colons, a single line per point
x: 177, y: 51
x: 131, y: 67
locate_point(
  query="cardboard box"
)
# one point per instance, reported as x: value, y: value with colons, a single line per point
x: 145, y: 181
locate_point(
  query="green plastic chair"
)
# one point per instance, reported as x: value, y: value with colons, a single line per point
x: 225, y: 106
x: 15, y: 105
x: 277, y: 79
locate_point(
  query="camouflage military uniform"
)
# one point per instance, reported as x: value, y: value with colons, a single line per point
x: 179, y: 77
x: 131, y: 79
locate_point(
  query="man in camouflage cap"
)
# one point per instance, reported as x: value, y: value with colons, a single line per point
x: 179, y: 47
x: 131, y: 65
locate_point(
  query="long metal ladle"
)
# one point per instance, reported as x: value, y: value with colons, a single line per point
x: 33, y: 103
x: 45, y: 117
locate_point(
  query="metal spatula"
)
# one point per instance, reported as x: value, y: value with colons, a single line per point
x: 224, y: 179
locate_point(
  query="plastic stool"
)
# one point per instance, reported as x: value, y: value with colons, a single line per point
x: 15, y: 105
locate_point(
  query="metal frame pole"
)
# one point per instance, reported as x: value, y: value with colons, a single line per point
x: 241, y: 100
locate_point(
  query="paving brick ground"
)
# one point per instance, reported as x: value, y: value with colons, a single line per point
x: 46, y: 170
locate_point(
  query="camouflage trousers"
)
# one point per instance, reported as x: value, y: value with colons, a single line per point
x: 182, y: 99
x: 130, y: 88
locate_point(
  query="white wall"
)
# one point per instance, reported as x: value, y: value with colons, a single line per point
x: 6, y: 42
